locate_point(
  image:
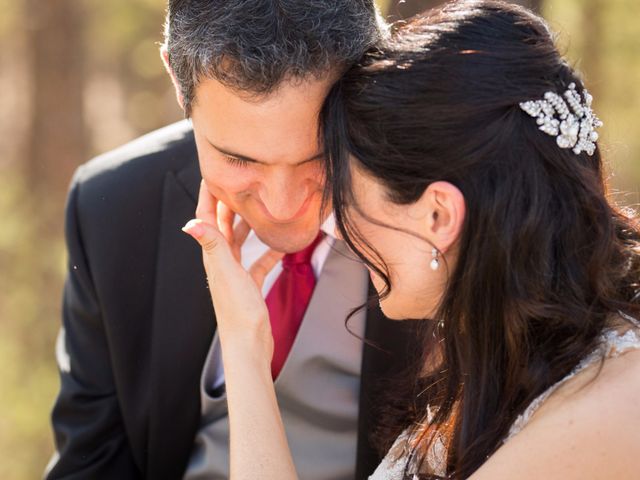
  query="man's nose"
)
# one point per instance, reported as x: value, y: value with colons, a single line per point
x: 284, y: 194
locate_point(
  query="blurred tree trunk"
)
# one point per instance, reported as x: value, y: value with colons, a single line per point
x: 396, y: 9
x: 592, y: 49
x: 56, y: 139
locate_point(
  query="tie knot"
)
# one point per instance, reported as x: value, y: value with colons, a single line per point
x: 303, y: 257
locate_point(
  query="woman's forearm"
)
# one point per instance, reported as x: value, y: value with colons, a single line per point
x: 258, y: 443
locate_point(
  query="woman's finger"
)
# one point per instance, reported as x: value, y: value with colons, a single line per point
x: 214, y: 246
x: 225, y: 217
x: 241, y: 232
x: 261, y: 268
x: 206, y: 209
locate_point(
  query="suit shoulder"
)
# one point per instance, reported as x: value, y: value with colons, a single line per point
x: 134, y: 173
x: 169, y: 148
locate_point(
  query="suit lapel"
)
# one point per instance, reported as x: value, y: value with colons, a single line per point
x: 183, y: 326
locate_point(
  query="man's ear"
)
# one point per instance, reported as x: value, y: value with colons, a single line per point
x: 164, y: 54
x: 446, y: 209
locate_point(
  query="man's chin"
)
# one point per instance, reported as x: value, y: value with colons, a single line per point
x: 287, y: 240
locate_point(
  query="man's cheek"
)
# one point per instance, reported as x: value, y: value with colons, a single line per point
x: 315, y: 175
x: 230, y: 191
x: 224, y: 181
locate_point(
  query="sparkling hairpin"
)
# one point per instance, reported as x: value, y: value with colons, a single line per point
x: 570, y: 119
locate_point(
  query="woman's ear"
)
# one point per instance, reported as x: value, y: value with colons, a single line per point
x: 445, y: 210
x: 164, y: 54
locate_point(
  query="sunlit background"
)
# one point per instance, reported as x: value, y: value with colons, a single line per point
x: 79, y: 77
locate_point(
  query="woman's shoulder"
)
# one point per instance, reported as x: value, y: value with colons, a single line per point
x: 609, y: 377
x: 588, y: 428
x: 613, y: 366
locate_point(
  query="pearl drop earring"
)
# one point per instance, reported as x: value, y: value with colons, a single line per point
x: 435, y: 263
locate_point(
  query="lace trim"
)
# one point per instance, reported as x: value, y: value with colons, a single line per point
x: 393, y: 464
x: 612, y: 344
x: 399, y: 457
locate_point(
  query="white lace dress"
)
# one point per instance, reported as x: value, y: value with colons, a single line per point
x: 393, y: 465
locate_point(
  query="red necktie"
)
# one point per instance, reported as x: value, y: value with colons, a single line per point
x: 287, y: 301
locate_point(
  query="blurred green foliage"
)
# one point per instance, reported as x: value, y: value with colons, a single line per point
x: 32, y: 269
x: 128, y: 93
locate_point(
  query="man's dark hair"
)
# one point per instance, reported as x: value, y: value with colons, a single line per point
x: 253, y: 45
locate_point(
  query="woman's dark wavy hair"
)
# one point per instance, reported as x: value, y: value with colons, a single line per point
x: 545, y: 262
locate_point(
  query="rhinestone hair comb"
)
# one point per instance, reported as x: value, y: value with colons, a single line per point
x: 569, y: 118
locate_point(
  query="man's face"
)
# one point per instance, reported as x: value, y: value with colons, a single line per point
x: 262, y: 157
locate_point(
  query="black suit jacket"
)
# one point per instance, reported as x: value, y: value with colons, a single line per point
x: 138, y: 319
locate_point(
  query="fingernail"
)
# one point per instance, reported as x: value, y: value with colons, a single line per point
x: 194, y: 228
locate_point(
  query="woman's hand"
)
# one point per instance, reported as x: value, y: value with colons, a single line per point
x: 258, y: 443
x: 241, y: 312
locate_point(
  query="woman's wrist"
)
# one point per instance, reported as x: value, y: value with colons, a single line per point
x: 249, y: 347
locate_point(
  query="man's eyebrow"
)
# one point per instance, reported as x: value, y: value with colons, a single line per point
x: 245, y: 158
